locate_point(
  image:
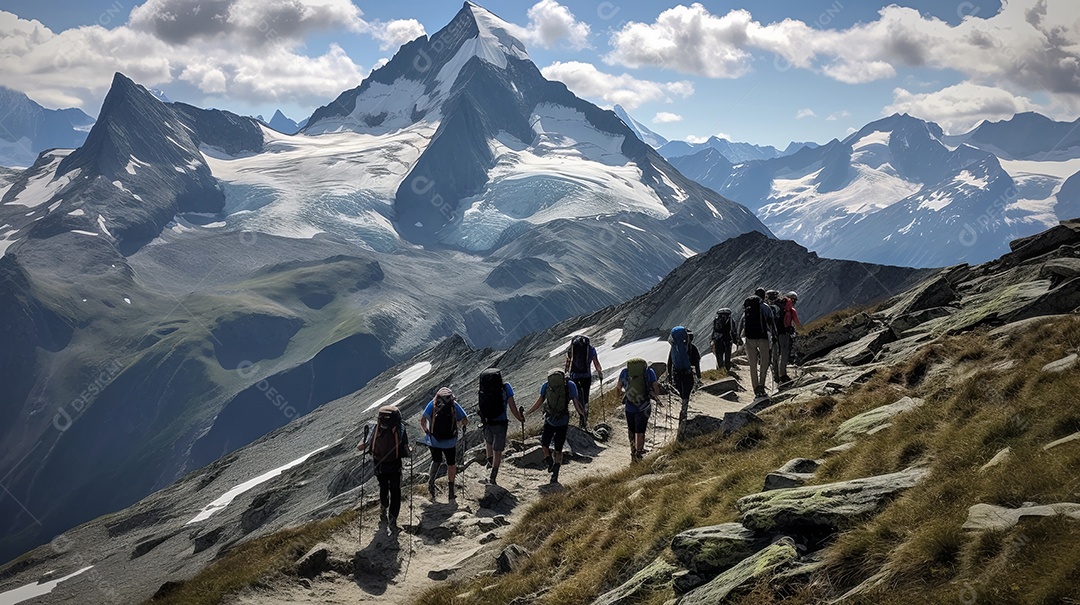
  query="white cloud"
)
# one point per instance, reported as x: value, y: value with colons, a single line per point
x: 836, y: 115
x: 666, y: 117
x: 587, y: 81
x: 551, y: 23
x: 805, y: 112
x: 1030, y: 44
x: 237, y: 55
x: 960, y: 108
x: 392, y: 34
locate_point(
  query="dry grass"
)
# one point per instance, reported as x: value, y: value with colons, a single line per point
x: 253, y: 562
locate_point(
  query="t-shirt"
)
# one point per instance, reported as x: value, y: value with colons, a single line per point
x: 624, y: 380
x: 565, y: 418
x: 588, y: 363
x: 430, y: 439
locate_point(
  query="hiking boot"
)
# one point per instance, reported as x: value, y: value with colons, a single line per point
x: 393, y: 526
x: 453, y: 492
x: 491, y: 479
x: 555, y: 473
x: 383, y: 514
x: 547, y: 463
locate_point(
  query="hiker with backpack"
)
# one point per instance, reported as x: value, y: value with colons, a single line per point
x: 556, y: 395
x: 440, y: 422
x: 495, y: 398
x: 578, y: 357
x: 787, y: 336
x: 724, y: 335
x: 388, y: 445
x: 755, y: 328
x: 638, y: 388
x: 772, y: 298
x: 683, y: 362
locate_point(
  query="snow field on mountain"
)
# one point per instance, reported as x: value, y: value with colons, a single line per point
x: 404, y: 379
x: 37, y: 589
x: 41, y: 187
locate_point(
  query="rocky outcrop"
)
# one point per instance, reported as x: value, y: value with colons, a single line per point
x: 829, y: 506
x: 762, y: 564
x: 987, y: 517
x: 875, y: 420
x: 794, y: 473
x: 653, y: 577
x: 712, y: 549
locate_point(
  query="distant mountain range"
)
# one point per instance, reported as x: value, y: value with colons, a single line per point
x: 27, y: 129
x: 901, y: 192
x: 188, y: 279
x: 283, y: 124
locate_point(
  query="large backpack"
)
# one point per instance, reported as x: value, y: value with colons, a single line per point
x: 579, y: 354
x: 778, y: 317
x: 491, y: 403
x: 754, y: 319
x: 680, y: 350
x: 386, y: 444
x: 721, y: 325
x: 443, y: 419
x: 637, y: 384
x: 557, y: 396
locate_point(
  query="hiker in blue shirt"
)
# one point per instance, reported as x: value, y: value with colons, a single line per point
x: 556, y: 395
x: 638, y: 387
x: 440, y: 422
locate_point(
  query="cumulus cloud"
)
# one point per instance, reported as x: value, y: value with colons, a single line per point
x: 257, y: 21
x: 960, y: 108
x: 630, y: 92
x: 805, y: 112
x: 836, y: 115
x: 1030, y: 44
x: 666, y: 117
x: 392, y: 34
x: 244, y: 49
x: 551, y: 23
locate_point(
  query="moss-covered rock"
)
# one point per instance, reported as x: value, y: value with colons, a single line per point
x: 833, y: 505
x: 654, y: 576
x: 867, y: 422
x: 761, y: 564
x: 709, y: 550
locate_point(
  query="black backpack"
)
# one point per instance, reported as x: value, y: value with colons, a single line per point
x: 387, y: 444
x: 721, y: 325
x: 579, y: 354
x: 443, y: 419
x: 491, y: 401
x: 778, y: 318
x: 754, y: 319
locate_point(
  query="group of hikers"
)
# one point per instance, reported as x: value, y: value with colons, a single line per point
x: 767, y: 329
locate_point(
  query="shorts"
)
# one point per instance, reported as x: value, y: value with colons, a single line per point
x: 637, y: 422
x: 495, y: 434
x: 439, y: 453
x: 558, y: 433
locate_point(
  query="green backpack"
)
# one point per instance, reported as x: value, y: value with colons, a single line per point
x: 637, y: 387
x: 557, y: 397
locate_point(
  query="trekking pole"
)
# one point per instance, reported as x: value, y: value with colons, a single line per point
x: 363, y: 483
x: 412, y: 493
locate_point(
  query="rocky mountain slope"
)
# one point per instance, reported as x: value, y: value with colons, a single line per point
x: 160, y: 276
x: 899, y: 191
x: 142, y: 538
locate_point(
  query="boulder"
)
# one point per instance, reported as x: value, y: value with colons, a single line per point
x: 762, y: 564
x: 794, y: 473
x: 935, y: 292
x: 866, y: 348
x: 710, y: 550
x: 736, y: 421
x: 814, y: 346
x: 1060, y: 269
x: 1065, y: 363
x: 869, y: 422
x: 654, y: 576
x: 829, y: 506
x: 1074, y: 438
x: 722, y: 386
x: 683, y: 581
x: 531, y: 458
x: 441, y: 574
x: 909, y: 321
x: 700, y: 425
x: 840, y: 449
x: 1020, y: 326
x: 801, y: 465
x: 314, y: 562
x: 982, y: 517
x: 511, y: 558
x: 1063, y: 298
x: 1024, y: 248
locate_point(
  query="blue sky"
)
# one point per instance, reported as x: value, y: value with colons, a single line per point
x: 763, y: 72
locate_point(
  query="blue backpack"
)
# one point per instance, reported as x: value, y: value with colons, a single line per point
x: 680, y: 350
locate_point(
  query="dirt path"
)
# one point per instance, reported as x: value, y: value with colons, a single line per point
x: 441, y: 540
